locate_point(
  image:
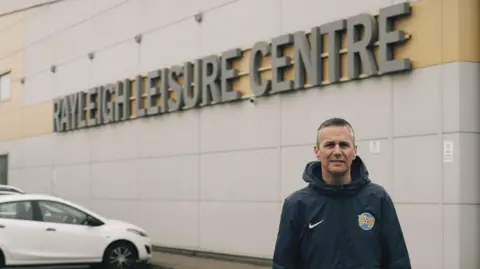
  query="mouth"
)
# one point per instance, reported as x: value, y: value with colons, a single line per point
x: 337, y: 162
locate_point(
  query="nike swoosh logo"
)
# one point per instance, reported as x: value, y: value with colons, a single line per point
x: 311, y: 226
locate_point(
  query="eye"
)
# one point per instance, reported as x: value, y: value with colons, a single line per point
x: 344, y: 145
x: 329, y: 145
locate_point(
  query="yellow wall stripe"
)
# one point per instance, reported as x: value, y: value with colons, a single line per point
x: 442, y: 31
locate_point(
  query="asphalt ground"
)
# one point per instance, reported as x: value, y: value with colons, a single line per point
x: 71, y: 267
x: 162, y: 260
x: 151, y: 266
x: 58, y: 267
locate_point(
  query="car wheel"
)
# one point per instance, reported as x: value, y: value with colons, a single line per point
x: 120, y: 256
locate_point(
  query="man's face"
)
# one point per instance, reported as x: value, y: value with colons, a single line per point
x: 336, y: 149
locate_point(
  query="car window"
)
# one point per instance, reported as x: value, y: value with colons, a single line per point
x: 21, y: 210
x: 61, y: 213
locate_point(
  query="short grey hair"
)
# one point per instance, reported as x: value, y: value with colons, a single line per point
x: 335, y: 122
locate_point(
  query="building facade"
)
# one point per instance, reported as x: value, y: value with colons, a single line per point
x: 213, y: 177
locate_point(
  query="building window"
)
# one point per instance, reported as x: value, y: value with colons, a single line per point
x: 5, y: 86
x: 4, y: 169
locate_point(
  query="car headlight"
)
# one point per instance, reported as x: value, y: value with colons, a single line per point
x: 137, y: 232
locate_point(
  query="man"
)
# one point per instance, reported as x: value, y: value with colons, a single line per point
x: 341, y: 220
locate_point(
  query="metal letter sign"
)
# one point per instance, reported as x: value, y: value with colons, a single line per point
x: 295, y: 60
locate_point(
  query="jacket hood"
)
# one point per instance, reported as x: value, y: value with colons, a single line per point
x: 313, y: 176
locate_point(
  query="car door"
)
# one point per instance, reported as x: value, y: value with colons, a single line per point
x: 66, y: 238
x: 20, y: 233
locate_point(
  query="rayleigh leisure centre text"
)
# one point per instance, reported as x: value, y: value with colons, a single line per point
x: 215, y: 79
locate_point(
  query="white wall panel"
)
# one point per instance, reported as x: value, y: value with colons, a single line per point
x: 461, y: 182
x: 15, y: 153
x: 379, y: 164
x: 114, y: 180
x: 37, y: 151
x: 416, y: 104
x: 161, y: 13
x: 252, y: 175
x: 72, y: 182
x: 115, y: 24
x: 239, y: 24
x: 422, y: 227
x: 116, y: 63
x: 304, y: 111
x: 171, y: 45
x: 168, y: 135
x: 72, y: 77
x: 169, y: 178
x: 242, y: 125
x: 294, y: 160
x: 36, y: 180
x: 460, y: 235
x: 418, y: 175
x: 39, y: 88
x: 222, y: 223
x: 38, y: 58
x: 75, y: 42
x: 170, y: 223
x: 460, y: 97
x: 303, y: 14
x: 71, y: 148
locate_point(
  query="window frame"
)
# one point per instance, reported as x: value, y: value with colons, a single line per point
x: 2, y: 75
x: 6, y: 158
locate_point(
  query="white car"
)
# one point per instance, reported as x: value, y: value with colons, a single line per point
x: 49, y: 231
x: 7, y: 189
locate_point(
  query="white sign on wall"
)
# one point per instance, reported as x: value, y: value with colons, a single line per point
x: 374, y: 147
x: 447, y: 151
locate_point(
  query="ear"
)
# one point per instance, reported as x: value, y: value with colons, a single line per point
x: 316, y: 151
x: 355, y: 152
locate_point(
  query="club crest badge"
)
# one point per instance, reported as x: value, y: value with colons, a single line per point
x: 366, y: 221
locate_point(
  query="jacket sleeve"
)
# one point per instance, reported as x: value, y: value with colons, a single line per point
x: 287, y: 247
x: 394, y: 249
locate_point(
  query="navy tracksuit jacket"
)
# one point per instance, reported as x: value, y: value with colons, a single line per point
x: 354, y: 226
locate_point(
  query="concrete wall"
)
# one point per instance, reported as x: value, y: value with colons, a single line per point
x: 10, y: 6
x: 214, y: 178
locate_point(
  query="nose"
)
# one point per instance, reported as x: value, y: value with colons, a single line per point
x: 337, y: 151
